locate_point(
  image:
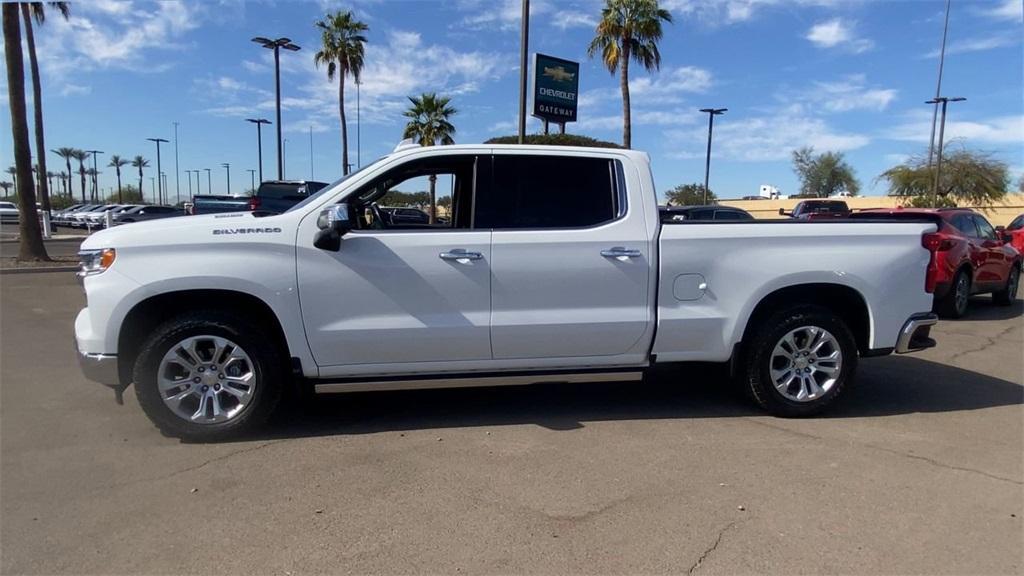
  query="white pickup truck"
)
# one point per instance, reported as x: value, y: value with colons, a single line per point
x: 552, y: 266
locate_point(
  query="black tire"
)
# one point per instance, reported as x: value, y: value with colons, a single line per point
x: 950, y: 306
x: 757, y: 359
x: 1008, y: 294
x: 268, y: 367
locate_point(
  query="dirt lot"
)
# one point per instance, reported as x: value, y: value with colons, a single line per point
x: 921, y: 470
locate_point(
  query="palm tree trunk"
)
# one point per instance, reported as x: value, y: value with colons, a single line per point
x: 81, y: 174
x: 37, y: 105
x: 433, y: 198
x: 119, y: 200
x: 142, y: 197
x: 31, y: 246
x: 627, y: 127
x: 344, y: 125
x: 67, y: 183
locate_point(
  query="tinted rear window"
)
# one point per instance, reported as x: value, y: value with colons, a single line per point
x: 901, y: 216
x: 279, y: 191
x: 549, y: 192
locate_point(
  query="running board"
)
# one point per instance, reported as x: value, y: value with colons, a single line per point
x: 471, y: 381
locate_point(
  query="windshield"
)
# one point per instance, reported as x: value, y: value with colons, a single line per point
x: 331, y: 186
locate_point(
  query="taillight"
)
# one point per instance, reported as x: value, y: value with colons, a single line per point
x: 937, y: 242
x: 254, y: 203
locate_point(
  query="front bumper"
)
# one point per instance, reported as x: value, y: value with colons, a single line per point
x: 915, y: 334
x: 100, y: 368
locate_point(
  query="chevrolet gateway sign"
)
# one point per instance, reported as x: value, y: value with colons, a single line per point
x: 555, y: 87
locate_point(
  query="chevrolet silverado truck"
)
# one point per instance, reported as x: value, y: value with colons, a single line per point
x: 554, y: 266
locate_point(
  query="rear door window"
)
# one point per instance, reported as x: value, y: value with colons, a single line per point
x: 985, y: 229
x: 549, y: 192
x: 965, y: 224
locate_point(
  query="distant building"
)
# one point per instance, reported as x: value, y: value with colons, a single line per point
x: 769, y: 192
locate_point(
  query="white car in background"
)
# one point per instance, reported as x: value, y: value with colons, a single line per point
x: 8, y: 212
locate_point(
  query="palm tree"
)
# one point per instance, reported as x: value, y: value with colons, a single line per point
x: 34, y: 11
x: 64, y: 182
x: 67, y: 154
x: 429, y: 125
x: 6, y: 186
x: 341, y: 50
x: 117, y: 162
x: 140, y: 163
x: 31, y: 245
x: 81, y: 156
x: 13, y: 171
x: 49, y: 179
x: 94, y: 189
x: 629, y: 29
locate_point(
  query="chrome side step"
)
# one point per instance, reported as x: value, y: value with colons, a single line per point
x: 470, y: 381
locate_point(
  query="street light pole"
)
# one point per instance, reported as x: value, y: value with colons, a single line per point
x: 276, y: 46
x: 524, y: 42
x: 252, y: 178
x: 209, y: 181
x: 310, y: 152
x: 359, y: 158
x: 95, y: 173
x: 284, y: 166
x: 938, y: 85
x: 160, y: 190
x: 189, y: 173
x: 228, y: 168
x: 942, y: 130
x: 711, y: 112
x: 177, y: 173
x: 259, y: 122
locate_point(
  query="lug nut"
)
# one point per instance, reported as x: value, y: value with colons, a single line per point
x: 216, y: 386
x: 205, y: 388
x: 196, y: 380
x: 221, y: 375
x: 201, y: 369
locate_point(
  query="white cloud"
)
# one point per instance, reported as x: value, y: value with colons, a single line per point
x: 979, y: 44
x: 74, y: 90
x: 836, y: 33
x: 772, y: 137
x: 734, y: 11
x: 851, y: 93
x: 1012, y: 10
x: 565, y: 19
x: 916, y: 127
x: 505, y: 15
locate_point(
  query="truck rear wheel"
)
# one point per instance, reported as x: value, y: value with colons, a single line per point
x: 799, y: 361
x: 208, y: 375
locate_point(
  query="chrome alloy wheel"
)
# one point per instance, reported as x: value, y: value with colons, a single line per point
x: 206, y: 379
x: 806, y: 363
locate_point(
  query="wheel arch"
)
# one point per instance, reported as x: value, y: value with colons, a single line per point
x: 149, y: 313
x: 844, y: 301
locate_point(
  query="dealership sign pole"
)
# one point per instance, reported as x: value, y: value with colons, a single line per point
x: 555, y: 88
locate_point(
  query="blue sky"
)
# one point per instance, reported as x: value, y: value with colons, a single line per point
x: 846, y: 75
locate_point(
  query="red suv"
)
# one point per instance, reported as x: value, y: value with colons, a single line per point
x: 968, y: 257
x: 1014, y: 233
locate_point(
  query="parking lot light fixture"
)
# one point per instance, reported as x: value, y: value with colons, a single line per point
x: 276, y: 46
x: 160, y: 190
x: 259, y: 122
x: 942, y: 129
x: 228, y: 168
x: 711, y: 112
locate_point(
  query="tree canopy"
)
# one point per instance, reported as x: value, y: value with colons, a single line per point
x: 689, y: 195
x: 967, y: 177
x: 555, y: 140
x: 824, y: 175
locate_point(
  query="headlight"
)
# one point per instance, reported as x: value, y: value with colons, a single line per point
x: 95, y: 261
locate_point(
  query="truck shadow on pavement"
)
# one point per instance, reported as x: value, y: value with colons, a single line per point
x: 889, y: 386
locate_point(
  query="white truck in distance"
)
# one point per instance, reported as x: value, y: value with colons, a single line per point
x: 553, y: 266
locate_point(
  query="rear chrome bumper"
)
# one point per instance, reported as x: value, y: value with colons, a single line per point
x: 915, y: 334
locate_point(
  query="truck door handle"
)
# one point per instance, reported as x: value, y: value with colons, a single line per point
x: 460, y: 254
x: 620, y: 252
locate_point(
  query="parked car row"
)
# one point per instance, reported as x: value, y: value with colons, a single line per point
x: 91, y: 216
x: 272, y: 197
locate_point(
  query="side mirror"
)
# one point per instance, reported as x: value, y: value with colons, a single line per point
x: 333, y: 223
x: 782, y: 212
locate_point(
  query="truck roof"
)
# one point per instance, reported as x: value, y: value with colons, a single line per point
x: 635, y: 155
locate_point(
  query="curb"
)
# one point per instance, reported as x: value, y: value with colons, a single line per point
x: 38, y: 270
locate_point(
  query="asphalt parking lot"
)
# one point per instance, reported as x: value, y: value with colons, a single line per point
x: 920, y: 470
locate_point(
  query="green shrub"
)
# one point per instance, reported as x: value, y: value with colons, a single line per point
x: 555, y: 140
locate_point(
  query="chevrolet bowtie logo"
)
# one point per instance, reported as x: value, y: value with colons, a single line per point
x: 558, y: 74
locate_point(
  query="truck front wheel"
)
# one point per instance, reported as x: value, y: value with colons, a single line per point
x: 208, y: 375
x: 799, y: 361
